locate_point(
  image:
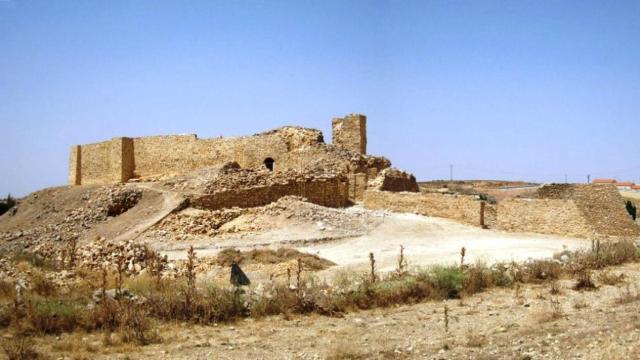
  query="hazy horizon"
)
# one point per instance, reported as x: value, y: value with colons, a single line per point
x: 512, y: 90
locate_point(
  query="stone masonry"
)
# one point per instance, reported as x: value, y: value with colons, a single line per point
x: 122, y: 158
x: 350, y: 132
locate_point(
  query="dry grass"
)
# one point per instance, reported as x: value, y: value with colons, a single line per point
x: 268, y: 256
x: 19, y: 348
x: 628, y: 295
x: 553, y: 313
x: 555, y: 288
x: 46, y: 309
x: 345, y: 350
x: 608, y: 278
x: 584, y: 281
x: 580, y: 303
x: 475, y: 340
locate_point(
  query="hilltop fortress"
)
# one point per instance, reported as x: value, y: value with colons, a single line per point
x: 288, y: 148
x: 253, y: 171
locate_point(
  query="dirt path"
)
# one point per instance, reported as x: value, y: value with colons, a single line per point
x: 155, y: 205
x: 427, y: 240
x: 171, y: 202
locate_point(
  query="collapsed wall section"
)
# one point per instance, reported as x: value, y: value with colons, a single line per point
x: 569, y: 209
x: 394, y: 180
x: 331, y: 192
x: 545, y: 216
x: 604, y: 209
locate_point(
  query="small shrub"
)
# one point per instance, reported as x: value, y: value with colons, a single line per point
x: 345, y: 350
x: 580, y: 303
x: 553, y: 313
x: 540, y: 270
x: 475, y: 340
x: 476, y: 278
x: 606, y: 254
x: 41, y: 285
x: 631, y: 209
x: 628, y: 296
x: 7, y: 290
x: 134, y: 324
x: 53, y: 316
x: 555, y: 288
x: 19, y: 348
x: 35, y: 260
x: 446, y: 281
x: 584, y: 281
x: 105, y: 315
x: 608, y: 278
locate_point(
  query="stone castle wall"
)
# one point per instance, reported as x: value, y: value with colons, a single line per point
x: 121, y: 159
x: 569, y: 210
x: 331, y: 192
x: 462, y: 208
x: 350, y: 132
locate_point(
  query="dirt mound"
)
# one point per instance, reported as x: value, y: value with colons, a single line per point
x: 268, y: 256
x: 53, y: 216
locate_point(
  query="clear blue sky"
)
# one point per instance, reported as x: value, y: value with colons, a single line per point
x: 526, y: 90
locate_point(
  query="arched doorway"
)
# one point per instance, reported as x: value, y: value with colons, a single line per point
x: 269, y: 163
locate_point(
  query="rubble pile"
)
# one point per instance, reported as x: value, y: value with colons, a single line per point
x: 296, y: 136
x: 230, y: 176
x: 351, y: 221
x: 197, y: 222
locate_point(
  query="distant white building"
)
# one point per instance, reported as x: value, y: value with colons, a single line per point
x: 625, y: 185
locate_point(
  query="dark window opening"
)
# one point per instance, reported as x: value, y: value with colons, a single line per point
x: 268, y: 163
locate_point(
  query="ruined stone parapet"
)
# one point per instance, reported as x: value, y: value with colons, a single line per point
x: 391, y: 179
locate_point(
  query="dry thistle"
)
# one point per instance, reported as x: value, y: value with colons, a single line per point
x: 446, y: 319
x: 191, y: 276
x: 120, y: 268
x: 402, y: 263
x: 299, y: 275
x: 463, y: 252
x: 372, y: 262
x: 104, y: 284
x: 72, y: 251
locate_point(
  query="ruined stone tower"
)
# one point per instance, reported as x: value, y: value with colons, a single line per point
x: 350, y: 132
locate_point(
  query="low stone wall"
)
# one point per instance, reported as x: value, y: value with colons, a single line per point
x: 331, y: 192
x: 463, y: 208
x: 545, y: 216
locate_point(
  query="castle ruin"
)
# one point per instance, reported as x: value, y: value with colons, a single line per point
x: 288, y: 148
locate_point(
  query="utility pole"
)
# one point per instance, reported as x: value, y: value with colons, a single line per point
x: 588, y: 179
x: 451, y: 172
x: 565, y: 178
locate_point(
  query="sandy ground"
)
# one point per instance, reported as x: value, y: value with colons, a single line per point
x: 426, y: 240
